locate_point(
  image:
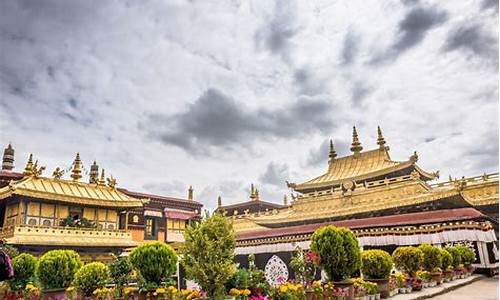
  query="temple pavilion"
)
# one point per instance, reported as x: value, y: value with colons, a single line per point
x: 386, y: 203
x: 94, y: 216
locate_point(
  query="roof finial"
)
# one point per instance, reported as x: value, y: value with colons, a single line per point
x: 356, y: 145
x: 94, y: 173
x: 253, y: 192
x: 332, y: 154
x: 190, y: 192
x: 28, y: 170
x: 8, y: 158
x: 256, y: 194
x: 380, y: 139
x: 102, y: 180
x: 76, y: 172
x: 285, y: 200
x: 219, y: 201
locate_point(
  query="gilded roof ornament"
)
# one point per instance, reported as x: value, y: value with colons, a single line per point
x: 356, y: 145
x: 190, y: 192
x: 76, y: 172
x: 102, y: 180
x: 254, y: 194
x: 219, y: 201
x: 111, y: 182
x: 94, y: 173
x: 36, y: 171
x: 380, y: 139
x: 58, y: 173
x: 28, y: 170
x: 285, y: 200
x: 414, y: 157
x: 332, y: 154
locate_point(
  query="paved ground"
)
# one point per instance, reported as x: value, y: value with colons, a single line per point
x: 484, y: 289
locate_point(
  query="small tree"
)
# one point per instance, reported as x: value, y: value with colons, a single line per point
x: 446, y: 259
x: 457, y: 256
x: 468, y: 255
x: 338, y: 251
x: 24, y: 270
x: 408, y: 259
x: 376, y: 264
x: 155, y: 261
x: 432, y: 257
x: 120, y: 271
x: 91, y: 277
x: 57, y: 268
x: 208, y: 253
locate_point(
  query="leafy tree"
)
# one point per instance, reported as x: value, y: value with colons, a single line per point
x: 57, y: 268
x: 408, y: 259
x: 376, y: 264
x: 91, y: 277
x: 155, y: 261
x: 120, y: 271
x: 208, y: 254
x: 338, y: 251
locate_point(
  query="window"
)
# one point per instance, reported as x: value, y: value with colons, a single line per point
x: 150, y: 227
x: 176, y: 225
x: 76, y: 212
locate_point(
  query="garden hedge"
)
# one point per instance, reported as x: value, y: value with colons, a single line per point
x: 91, y: 277
x: 408, y: 259
x: 376, y: 264
x: 57, y: 268
x: 339, y: 252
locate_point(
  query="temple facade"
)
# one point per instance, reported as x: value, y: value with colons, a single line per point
x: 386, y: 203
x: 93, y: 217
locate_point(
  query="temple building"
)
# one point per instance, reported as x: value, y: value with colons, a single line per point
x: 252, y: 206
x: 386, y: 203
x: 94, y: 217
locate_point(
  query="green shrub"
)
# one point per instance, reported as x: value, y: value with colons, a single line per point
x: 376, y: 264
x: 468, y: 255
x: 446, y: 259
x: 240, y: 279
x: 57, y: 268
x: 24, y: 270
x: 154, y: 261
x: 339, y: 251
x: 456, y: 255
x: 120, y: 271
x: 408, y: 259
x: 90, y: 277
x: 432, y: 257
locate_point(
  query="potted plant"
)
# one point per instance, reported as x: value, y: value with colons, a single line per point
x: 372, y: 290
x: 432, y: 262
x: 303, y: 264
x: 339, y: 254
x: 401, y: 279
x: 155, y: 262
x: 425, y: 277
x: 393, y: 286
x: 457, y: 260
x: 56, y: 270
x: 360, y: 291
x: 468, y: 257
x: 24, y: 271
x: 376, y: 266
x: 446, y: 263
x: 408, y: 259
x: 120, y: 271
x: 91, y: 277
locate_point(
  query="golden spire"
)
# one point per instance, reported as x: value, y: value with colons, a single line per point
x: 253, y: 193
x: 94, y: 173
x: 256, y: 194
x: 332, y: 154
x: 8, y: 158
x: 102, y: 180
x: 76, y: 173
x: 285, y: 200
x: 190, y: 192
x: 356, y: 145
x: 28, y: 170
x: 219, y: 201
x: 380, y: 139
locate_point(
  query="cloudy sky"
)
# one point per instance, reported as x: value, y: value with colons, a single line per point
x: 221, y: 94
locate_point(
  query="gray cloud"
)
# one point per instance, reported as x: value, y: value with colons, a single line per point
x: 217, y: 120
x: 275, y: 174
x: 174, y: 188
x: 275, y: 35
x: 319, y: 156
x: 359, y: 92
x: 307, y: 83
x: 472, y: 39
x: 487, y: 4
x: 412, y: 29
x: 351, y: 47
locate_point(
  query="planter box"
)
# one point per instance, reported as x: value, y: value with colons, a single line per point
x: 53, y: 294
x: 393, y: 292
x: 437, y: 277
x: 349, y: 286
x: 383, y: 286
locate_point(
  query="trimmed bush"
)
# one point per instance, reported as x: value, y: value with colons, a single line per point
x: 376, y: 264
x: 24, y: 270
x: 432, y: 257
x: 120, y: 271
x: 446, y: 258
x: 468, y: 255
x: 91, y: 277
x: 408, y: 259
x: 456, y: 255
x: 155, y: 262
x: 339, y: 252
x: 57, y: 268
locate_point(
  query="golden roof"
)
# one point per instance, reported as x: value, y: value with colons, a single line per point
x: 70, y: 191
x: 360, y: 167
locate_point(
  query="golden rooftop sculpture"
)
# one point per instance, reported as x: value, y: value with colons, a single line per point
x: 76, y: 172
x: 356, y: 145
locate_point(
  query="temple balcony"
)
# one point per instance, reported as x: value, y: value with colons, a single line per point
x: 23, y: 234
